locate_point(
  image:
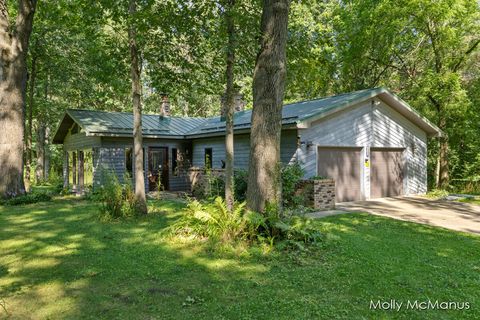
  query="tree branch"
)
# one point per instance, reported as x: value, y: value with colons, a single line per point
x: 436, y: 53
x: 462, y: 58
x: 435, y: 103
x: 24, y: 22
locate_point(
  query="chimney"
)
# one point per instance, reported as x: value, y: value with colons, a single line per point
x: 165, y: 106
x: 239, y: 104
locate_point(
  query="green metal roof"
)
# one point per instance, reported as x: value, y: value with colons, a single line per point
x: 104, y: 123
x: 291, y: 113
x: 121, y: 123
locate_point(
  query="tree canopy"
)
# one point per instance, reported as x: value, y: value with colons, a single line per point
x: 427, y: 52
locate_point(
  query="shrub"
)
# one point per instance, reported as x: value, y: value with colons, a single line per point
x: 28, y: 198
x: 291, y: 176
x: 209, y: 187
x: 437, y: 194
x: 211, y: 220
x: 214, y: 221
x: 118, y: 200
x: 240, y: 184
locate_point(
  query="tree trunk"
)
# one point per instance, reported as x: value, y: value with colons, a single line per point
x: 40, y: 146
x: 229, y: 105
x: 13, y: 78
x: 442, y: 170
x: 46, y: 152
x: 264, y: 176
x: 140, y: 197
x: 28, y: 149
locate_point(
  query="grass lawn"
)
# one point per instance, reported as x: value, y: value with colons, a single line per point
x: 57, y: 261
x: 475, y: 200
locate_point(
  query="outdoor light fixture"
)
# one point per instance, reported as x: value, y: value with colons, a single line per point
x: 302, y: 144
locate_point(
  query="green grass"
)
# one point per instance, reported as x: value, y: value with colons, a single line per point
x: 57, y: 261
x: 475, y: 200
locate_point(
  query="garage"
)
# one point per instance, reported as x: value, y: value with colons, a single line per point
x: 344, y: 166
x: 386, y: 173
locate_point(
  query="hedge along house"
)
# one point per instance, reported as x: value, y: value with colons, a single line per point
x: 372, y: 143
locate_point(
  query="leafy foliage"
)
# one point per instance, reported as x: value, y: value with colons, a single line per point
x: 213, y: 221
x: 28, y: 198
x: 117, y: 200
x: 240, y: 184
x: 429, y: 56
x: 210, y: 186
x: 291, y: 175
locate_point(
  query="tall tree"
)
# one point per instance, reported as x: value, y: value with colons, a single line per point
x: 229, y: 103
x: 140, y: 197
x: 264, y: 178
x: 14, y: 39
x: 29, y: 123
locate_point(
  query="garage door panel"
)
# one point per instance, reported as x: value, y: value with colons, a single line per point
x: 387, y: 172
x: 342, y: 165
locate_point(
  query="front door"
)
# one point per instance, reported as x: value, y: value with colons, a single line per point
x: 157, y: 168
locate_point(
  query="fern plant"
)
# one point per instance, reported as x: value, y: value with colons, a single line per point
x: 213, y: 221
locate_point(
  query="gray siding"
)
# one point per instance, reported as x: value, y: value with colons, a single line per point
x: 79, y: 141
x: 110, y: 159
x: 241, y: 149
x: 391, y: 129
x: 351, y: 127
x: 176, y: 183
x: 369, y: 125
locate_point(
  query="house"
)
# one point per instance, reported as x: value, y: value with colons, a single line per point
x: 372, y: 143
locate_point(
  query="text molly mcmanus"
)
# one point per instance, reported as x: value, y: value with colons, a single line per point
x: 418, y: 305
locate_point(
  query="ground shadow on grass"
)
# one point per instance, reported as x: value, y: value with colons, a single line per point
x: 60, y: 262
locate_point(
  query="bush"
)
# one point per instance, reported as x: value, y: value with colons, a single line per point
x: 437, y: 194
x: 211, y: 220
x: 469, y: 185
x: 210, y: 187
x: 214, y: 221
x: 28, y: 198
x: 291, y: 176
x: 240, y: 185
x: 118, y: 200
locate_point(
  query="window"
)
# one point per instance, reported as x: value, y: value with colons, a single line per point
x: 174, y: 161
x: 208, y: 158
x: 129, y: 161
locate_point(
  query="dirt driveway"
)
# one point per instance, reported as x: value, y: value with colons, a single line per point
x: 441, y: 213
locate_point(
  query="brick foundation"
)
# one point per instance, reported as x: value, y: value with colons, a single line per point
x: 318, y: 194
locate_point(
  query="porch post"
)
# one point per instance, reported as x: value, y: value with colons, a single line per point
x: 65, y: 169
x: 80, y: 171
x: 74, y: 170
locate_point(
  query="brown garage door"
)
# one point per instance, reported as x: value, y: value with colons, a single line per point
x: 343, y: 165
x: 386, y: 173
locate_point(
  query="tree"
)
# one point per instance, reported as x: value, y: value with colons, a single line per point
x: 425, y: 48
x: 264, y: 179
x: 140, y: 198
x: 29, y: 123
x: 229, y: 104
x: 451, y: 30
x: 14, y: 40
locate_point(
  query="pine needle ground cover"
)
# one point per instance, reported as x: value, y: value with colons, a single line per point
x: 58, y: 261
